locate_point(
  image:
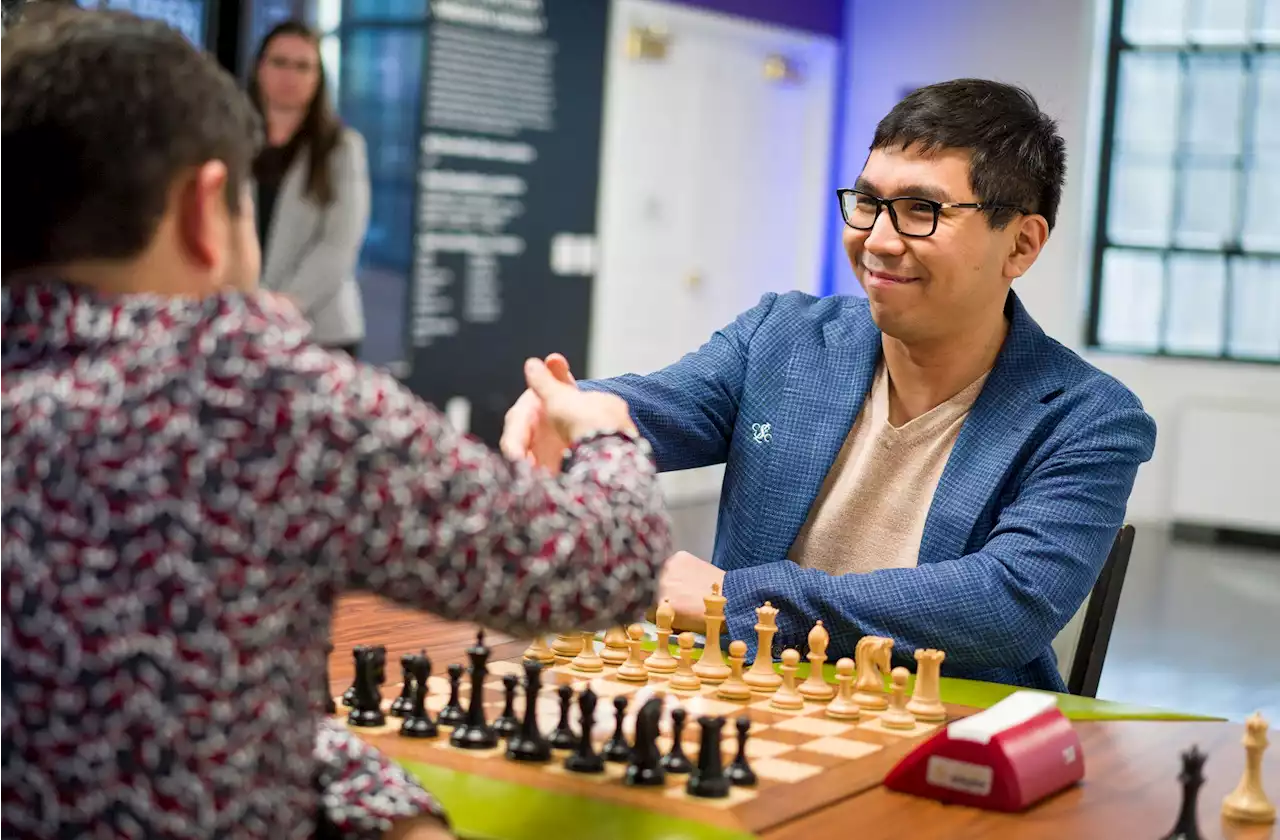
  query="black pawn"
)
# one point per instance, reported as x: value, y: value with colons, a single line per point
x: 676, y: 761
x: 417, y: 722
x: 367, y: 708
x: 616, y: 748
x: 528, y: 744
x: 585, y: 759
x: 451, y: 714
x: 1192, y: 777
x: 708, y: 780
x: 740, y: 772
x: 401, y: 705
x: 563, y: 738
x: 349, y: 696
x: 507, y: 724
x: 475, y: 733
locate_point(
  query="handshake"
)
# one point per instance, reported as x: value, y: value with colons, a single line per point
x: 553, y: 413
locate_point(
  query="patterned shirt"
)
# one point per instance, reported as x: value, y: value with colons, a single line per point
x: 188, y: 485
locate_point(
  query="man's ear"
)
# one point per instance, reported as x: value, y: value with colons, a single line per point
x: 1029, y: 238
x: 202, y: 214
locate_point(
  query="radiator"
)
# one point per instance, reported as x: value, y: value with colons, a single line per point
x: 1226, y: 467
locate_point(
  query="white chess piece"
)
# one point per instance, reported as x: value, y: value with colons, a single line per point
x: 844, y: 707
x: 685, y: 679
x: 925, y: 699
x: 786, y: 697
x: 710, y: 668
x: 633, y: 669
x: 897, y: 716
x: 588, y: 661
x: 816, y: 687
x: 661, y: 661
x: 761, y: 677
x: 1248, y: 803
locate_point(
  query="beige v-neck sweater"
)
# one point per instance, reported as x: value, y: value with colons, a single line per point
x: 871, y: 510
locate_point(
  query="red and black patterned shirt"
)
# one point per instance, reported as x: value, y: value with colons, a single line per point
x: 187, y: 487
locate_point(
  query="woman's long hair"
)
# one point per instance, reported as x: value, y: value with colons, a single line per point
x: 320, y: 129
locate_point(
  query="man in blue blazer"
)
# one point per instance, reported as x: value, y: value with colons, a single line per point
x: 923, y: 463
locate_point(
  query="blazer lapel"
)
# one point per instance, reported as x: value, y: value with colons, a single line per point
x: 1006, y: 413
x: 825, y: 388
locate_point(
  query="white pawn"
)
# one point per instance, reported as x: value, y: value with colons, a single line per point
x: 844, y: 707
x: 786, y: 697
x: 685, y: 679
x: 734, y: 688
x: 897, y: 716
x: 633, y: 669
x: 588, y: 661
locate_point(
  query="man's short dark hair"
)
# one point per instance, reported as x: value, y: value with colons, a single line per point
x: 102, y: 111
x: 1017, y: 155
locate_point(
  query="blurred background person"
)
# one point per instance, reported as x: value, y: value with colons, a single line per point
x: 312, y: 180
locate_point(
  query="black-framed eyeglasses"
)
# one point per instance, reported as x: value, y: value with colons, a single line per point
x: 911, y: 215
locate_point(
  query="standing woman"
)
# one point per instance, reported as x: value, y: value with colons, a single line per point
x: 313, y: 189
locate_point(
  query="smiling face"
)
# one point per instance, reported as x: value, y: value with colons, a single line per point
x: 925, y: 290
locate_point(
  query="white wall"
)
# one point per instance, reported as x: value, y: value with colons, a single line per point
x: 1053, y: 48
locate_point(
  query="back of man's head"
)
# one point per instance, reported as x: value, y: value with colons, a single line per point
x: 1017, y: 156
x: 104, y: 115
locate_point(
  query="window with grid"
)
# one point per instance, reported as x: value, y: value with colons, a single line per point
x: 1188, y: 227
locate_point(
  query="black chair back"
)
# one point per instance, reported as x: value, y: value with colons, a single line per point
x: 1100, y: 617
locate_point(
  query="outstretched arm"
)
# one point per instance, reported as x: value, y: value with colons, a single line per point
x: 998, y: 607
x: 687, y: 410
x: 403, y: 505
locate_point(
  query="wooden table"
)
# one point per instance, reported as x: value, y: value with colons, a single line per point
x: 1131, y: 790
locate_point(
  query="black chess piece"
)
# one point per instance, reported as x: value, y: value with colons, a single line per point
x: 563, y: 738
x: 401, y: 705
x: 349, y: 696
x: 1192, y: 777
x: 417, y: 721
x: 451, y: 714
x: 379, y: 665
x: 507, y: 724
x: 645, y: 768
x: 475, y: 733
x: 708, y: 780
x: 528, y: 744
x: 616, y: 748
x: 367, y: 708
x: 676, y: 761
x: 740, y: 772
x: 330, y: 707
x: 585, y: 759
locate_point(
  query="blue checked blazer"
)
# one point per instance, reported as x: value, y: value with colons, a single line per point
x: 1024, y: 515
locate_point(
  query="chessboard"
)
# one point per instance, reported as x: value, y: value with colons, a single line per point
x: 786, y: 748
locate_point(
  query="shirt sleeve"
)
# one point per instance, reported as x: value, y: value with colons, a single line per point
x: 405, y: 506
x: 362, y: 792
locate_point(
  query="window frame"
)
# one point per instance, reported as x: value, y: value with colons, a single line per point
x: 1116, y: 47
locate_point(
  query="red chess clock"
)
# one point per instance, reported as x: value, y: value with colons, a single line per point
x: 1006, y: 758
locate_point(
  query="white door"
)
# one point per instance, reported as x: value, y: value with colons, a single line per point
x: 714, y: 184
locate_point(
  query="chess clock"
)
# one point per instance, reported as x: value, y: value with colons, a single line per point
x: 1007, y: 758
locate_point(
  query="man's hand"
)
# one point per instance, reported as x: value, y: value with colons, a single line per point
x: 685, y: 580
x: 527, y: 433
